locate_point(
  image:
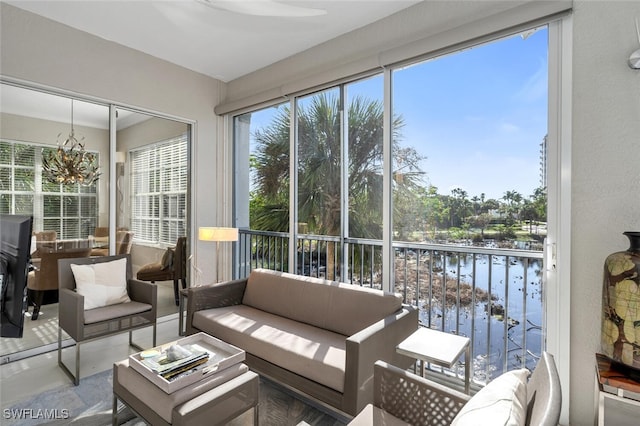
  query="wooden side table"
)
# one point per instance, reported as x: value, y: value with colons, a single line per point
x: 618, y: 397
x: 437, y: 347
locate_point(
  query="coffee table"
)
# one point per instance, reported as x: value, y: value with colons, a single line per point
x: 437, y: 347
x: 212, y: 398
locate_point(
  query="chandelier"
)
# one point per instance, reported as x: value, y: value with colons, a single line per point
x: 70, y: 163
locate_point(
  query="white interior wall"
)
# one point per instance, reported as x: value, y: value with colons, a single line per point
x: 605, y: 175
x: 39, y: 51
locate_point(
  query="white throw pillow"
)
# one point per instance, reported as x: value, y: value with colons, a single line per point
x: 501, y: 402
x: 102, y: 284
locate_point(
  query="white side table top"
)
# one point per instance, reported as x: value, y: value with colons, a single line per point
x: 434, y: 346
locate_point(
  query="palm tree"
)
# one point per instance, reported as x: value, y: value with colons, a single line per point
x: 319, y: 169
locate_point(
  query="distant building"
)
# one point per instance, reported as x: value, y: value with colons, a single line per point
x: 543, y: 162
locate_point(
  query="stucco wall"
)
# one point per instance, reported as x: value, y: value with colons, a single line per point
x: 605, y: 172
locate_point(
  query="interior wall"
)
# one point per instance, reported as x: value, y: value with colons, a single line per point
x: 41, y: 51
x: 605, y: 175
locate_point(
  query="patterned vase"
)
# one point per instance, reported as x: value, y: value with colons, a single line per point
x: 621, y: 305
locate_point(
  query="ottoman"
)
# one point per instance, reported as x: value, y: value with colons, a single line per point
x: 214, y: 400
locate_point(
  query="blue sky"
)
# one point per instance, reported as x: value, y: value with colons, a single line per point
x: 478, y: 116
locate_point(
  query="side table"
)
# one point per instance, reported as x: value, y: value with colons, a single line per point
x: 618, y: 397
x: 437, y: 347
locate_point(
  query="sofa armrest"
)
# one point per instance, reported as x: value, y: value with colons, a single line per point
x: 213, y: 296
x: 71, y: 313
x: 414, y: 399
x: 376, y: 342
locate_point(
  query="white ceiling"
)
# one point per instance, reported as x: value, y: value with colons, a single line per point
x: 207, y: 39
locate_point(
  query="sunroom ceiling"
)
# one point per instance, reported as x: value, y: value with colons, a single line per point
x: 210, y: 40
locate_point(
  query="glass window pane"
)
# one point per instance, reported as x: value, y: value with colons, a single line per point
x: 52, y: 206
x: 264, y: 138
x: 71, y: 228
x: 5, y: 179
x: 71, y: 206
x: 5, y: 203
x: 53, y: 225
x: 319, y: 168
x: 24, y: 155
x: 24, y: 179
x: 466, y: 172
x: 365, y: 134
x: 5, y: 152
x: 24, y: 204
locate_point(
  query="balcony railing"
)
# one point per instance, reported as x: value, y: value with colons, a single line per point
x: 494, y: 296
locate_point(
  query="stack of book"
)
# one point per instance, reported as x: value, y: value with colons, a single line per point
x: 176, y: 361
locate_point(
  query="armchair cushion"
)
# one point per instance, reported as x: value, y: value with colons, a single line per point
x: 102, y: 284
x: 501, y: 402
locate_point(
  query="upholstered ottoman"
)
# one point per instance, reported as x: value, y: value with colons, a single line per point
x: 212, y: 401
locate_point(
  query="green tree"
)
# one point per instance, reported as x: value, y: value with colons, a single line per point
x: 319, y: 168
x: 511, y: 206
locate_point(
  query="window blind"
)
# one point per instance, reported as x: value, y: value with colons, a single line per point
x: 159, y: 191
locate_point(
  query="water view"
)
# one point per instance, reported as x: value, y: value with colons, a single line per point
x: 495, y: 300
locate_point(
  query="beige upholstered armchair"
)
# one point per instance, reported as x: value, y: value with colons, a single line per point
x: 85, y: 317
x: 44, y: 276
x: 403, y: 398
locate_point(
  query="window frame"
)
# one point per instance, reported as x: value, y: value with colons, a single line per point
x: 558, y: 248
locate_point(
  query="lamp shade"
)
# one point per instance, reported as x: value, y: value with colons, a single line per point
x: 217, y: 234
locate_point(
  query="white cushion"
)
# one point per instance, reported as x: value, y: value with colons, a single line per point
x: 502, y: 402
x: 102, y: 284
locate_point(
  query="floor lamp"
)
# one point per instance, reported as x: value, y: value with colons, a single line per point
x: 218, y: 235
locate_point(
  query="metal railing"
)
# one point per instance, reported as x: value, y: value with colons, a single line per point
x: 494, y: 296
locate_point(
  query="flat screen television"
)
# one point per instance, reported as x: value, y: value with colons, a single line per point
x: 15, y: 259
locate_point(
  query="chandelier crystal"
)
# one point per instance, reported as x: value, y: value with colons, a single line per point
x: 70, y: 163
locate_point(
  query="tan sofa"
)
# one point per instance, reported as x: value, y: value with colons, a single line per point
x: 318, y: 337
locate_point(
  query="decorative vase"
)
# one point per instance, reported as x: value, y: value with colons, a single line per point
x: 621, y: 306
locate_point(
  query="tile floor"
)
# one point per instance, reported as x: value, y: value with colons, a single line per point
x: 29, y: 376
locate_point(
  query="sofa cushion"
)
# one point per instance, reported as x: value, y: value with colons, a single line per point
x: 317, y: 354
x: 110, y: 312
x: 338, y: 307
x: 503, y: 401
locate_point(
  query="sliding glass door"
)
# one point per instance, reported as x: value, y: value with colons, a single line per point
x: 142, y: 190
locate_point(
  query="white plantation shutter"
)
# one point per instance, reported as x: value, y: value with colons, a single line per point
x: 159, y: 191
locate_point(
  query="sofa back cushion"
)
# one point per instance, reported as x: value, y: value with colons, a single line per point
x: 338, y: 307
